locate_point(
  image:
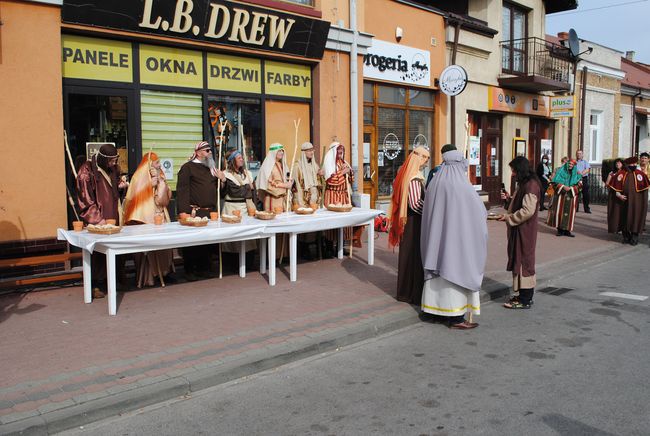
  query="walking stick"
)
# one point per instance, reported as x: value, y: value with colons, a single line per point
x: 223, y: 128
x: 293, y: 159
x: 74, y: 171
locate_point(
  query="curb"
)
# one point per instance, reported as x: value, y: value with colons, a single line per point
x: 196, y: 380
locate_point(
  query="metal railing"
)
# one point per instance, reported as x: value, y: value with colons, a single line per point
x: 536, y: 57
x: 597, y: 191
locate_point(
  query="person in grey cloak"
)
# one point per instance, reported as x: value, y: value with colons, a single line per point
x: 453, y: 243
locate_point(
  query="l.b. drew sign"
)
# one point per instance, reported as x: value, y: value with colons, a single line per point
x: 218, y: 21
x: 397, y: 63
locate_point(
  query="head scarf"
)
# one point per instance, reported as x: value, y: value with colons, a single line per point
x: 399, y: 202
x: 329, y: 161
x: 567, y: 177
x: 201, y: 145
x: 308, y: 169
x: 99, y: 165
x: 454, y: 235
x: 268, y: 165
x: 139, y: 204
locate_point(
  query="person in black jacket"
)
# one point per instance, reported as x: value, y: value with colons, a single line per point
x: 544, y: 171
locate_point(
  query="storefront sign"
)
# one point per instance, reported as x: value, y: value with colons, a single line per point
x: 171, y: 66
x: 397, y: 63
x: 96, y: 59
x: 231, y: 73
x: 215, y: 21
x: 562, y: 106
x: 453, y: 80
x: 287, y: 79
x: 505, y: 100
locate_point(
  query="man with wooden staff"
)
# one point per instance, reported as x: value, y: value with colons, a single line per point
x: 308, y: 188
x: 196, y: 193
x: 98, y: 198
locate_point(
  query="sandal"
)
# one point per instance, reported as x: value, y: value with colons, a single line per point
x: 516, y: 305
x: 465, y: 325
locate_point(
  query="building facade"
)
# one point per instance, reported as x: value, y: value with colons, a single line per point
x: 634, y: 126
x: 512, y: 72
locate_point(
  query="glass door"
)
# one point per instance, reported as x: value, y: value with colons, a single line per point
x: 95, y: 116
x: 370, y: 164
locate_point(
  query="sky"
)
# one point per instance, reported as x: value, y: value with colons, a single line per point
x: 623, y: 25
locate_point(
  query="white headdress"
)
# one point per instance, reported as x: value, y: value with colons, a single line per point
x: 268, y: 165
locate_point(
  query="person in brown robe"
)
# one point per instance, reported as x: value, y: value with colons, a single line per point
x: 405, y: 225
x: 196, y: 193
x: 631, y: 187
x: 521, y: 221
x: 98, y: 197
x: 614, y: 204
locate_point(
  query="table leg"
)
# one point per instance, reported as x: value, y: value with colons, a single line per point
x: 110, y: 278
x: 87, y: 272
x: 272, y: 260
x: 293, y: 254
x: 341, y: 240
x: 371, y: 242
x: 263, y: 255
x: 242, y: 259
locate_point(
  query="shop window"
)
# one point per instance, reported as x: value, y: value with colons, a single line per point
x: 368, y: 92
x: 419, y: 128
x: 392, y: 95
x: 172, y: 124
x: 419, y: 97
x: 94, y: 120
x: 368, y: 115
x: 391, y: 147
x: 247, y: 113
x: 301, y: 2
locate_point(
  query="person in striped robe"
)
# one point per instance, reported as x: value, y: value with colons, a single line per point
x: 567, y: 182
x: 338, y: 176
x: 405, y: 223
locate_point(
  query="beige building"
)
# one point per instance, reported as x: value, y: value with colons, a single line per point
x: 634, y: 126
x: 512, y: 72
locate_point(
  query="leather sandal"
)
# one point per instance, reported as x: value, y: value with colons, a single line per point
x: 464, y: 325
x: 97, y: 293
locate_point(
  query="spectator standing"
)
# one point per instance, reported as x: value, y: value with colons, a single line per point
x: 583, y: 169
x: 544, y: 175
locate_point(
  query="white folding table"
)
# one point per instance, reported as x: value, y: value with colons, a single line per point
x: 323, y: 219
x: 149, y: 237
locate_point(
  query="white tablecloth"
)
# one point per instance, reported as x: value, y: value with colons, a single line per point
x: 151, y: 237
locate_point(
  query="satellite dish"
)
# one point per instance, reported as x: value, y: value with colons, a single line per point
x: 574, y: 43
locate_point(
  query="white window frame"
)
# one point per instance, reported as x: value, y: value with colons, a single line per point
x: 596, y: 152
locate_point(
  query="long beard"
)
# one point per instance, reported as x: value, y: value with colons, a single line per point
x: 209, y: 162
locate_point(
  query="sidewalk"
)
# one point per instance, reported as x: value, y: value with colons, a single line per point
x: 65, y: 363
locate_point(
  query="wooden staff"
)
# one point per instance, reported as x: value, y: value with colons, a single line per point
x: 223, y: 128
x: 243, y: 146
x: 74, y: 171
x: 153, y: 189
x: 293, y: 160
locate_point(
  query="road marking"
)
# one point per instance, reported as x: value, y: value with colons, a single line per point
x: 620, y: 295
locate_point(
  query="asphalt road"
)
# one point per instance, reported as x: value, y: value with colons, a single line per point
x: 577, y: 363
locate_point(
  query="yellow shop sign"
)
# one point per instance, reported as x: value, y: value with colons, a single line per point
x: 231, y: 73
x: 96, y: 59
x: 287, y: 79
x: 171, y: 66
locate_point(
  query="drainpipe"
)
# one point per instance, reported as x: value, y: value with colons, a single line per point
x: 354, y: 102
x: 454, y: 50
x: 633, y: 147
x: 583, y: 97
